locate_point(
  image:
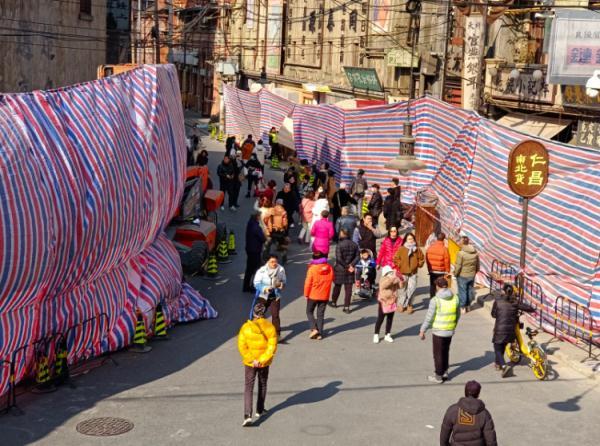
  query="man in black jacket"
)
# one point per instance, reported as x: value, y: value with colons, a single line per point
x: 255, y: 238
x: 340, y: 199
x: 506, y: 312
x: 468, y: 423
x: 375, y: 204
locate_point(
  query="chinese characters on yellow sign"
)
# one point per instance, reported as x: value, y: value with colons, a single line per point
x: 528, y: 168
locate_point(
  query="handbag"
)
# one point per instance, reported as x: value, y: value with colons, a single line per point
x: 389, y: 308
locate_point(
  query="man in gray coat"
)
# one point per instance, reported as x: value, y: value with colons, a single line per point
x: 465, y: 270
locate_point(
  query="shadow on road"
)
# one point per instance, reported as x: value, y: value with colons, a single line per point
x: 472, y: 364
x: 298, y: 328
x: 569, y: 405
x: 362, y: 322
x: 308, y: 396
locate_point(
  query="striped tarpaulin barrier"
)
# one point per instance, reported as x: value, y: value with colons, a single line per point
x: 466, y: 158
x: 92, y: 174
x: 243, y: 112
x: 273, y: 110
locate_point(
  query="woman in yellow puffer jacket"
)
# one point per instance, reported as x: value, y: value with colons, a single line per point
x: 257, y: 343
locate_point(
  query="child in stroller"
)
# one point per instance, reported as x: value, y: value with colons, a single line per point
x: 364, y: 275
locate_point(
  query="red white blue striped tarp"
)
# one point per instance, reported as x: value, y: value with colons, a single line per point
x: 466, y: 157
x: 91, y: 175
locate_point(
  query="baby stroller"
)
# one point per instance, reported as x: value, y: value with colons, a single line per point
x: 364, y: 278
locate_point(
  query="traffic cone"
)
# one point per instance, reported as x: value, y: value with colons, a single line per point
x: 274, y: 162
x: 213, y: 131
x: 221, y: 136
x: 223, y: 252
x: 231, y: 244
x: 61, y: 367
x: 140, y: 338
x: 160, y: 326
x: 42, y: 376
x: 212, y: 269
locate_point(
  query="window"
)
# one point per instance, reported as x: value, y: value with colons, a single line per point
x: 85, y: 7
x: 355, y: 54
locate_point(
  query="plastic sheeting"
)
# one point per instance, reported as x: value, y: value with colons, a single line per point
x: 90, y: 177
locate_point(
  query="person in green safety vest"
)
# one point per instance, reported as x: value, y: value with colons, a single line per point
x: 442, y: 317
x: 274, y: 143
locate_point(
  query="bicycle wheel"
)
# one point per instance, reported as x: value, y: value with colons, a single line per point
x: 539, y: 363
x: 513, y: 352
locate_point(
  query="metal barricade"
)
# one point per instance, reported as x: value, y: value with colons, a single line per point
x: 500, y: 273
x: 6, y: 365
x: 532, y: 294
x: 573, y: 320
x: 104, y: 322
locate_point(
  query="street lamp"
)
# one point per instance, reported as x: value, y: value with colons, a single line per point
x: 592, y: 86
x: 406, y: 161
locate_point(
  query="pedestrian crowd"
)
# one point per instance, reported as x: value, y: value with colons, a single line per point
x: 349, y: 222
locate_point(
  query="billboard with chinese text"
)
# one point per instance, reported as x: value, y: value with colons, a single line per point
x: 575, y: 47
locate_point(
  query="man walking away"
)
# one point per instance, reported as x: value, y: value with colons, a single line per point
x: 442, y: 317
x: 375, y: 206
x: 438, y: 261
x: 257, y: 344
x: 247, y: 148
x: 465, y: 270
x: 255, y: 238
x: 269, y: 280
x: 468, y: 422
x: 358, y: 189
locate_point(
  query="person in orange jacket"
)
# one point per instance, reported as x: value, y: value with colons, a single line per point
x: 438, y: 261
x: 317, y: 287
x: 257, y: 344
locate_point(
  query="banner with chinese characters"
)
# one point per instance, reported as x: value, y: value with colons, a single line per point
x: 588, y: 133
x: 528, y: 168
x: 274, y: 24
x: 472, y: 60
x: 575, y: 96
x: 575, y: 47
x: 524, y: 89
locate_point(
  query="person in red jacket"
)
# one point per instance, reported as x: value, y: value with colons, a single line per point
x: 438, y: 261
x: 317, y: 286
x: 388, y: 248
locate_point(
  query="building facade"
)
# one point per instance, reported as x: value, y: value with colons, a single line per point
x: 50, y: 44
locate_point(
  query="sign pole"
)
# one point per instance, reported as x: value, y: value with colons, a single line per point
x: 523, y: 256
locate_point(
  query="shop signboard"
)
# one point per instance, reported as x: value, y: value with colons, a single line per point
x: 574, y: 51
x: 523, y: 89
x: 575, y: 96
x: 363, y: 78
x: 528, y: 168
x: 400, y: 57
x: 588, y: 133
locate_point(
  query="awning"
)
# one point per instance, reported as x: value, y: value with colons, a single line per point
x: 534, y: 125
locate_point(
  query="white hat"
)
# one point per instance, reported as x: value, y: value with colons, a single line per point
x: 342, y: 185
x: 386, y: 270
x: 463, y: 234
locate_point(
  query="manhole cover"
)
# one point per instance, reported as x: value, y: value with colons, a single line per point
x: 104, y: 427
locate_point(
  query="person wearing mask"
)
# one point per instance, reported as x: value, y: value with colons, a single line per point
x: 397, y: 189
x: 305, y: 185
x: 346, y: 255
x: 358, y: 189
x: 375, y: 206
x: 290, y: 176
x: 257, y: 344
x: 408, y: 259
x: 247, y: 148
x: 389, y: 284
x: 388, y: 249
x: 317, y: 287
x: 322, y: 233
x: 387, y: 208
x: 365, y: 235
x: 255, y: 239
x: 226, y: 174
x: 340, y: 199
x: 255, y: 169
x: 230, y: 143
x: 465, y: 270
x: 346, y: 222
x: 468, y: 422
x: 505, y: 311
x: 290, y: 202
x: 438, y: 261
x: 269, y: 281
x: 442, y: 316
x: 306, y: 207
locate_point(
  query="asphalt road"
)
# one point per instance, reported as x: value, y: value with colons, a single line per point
x: 342, y: 390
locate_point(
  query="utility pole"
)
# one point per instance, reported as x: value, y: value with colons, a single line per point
x: 448, y: 33
x: 139, y: 32
x: 263, y: 74
x: 157, y: 34
x: 170, y: 32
